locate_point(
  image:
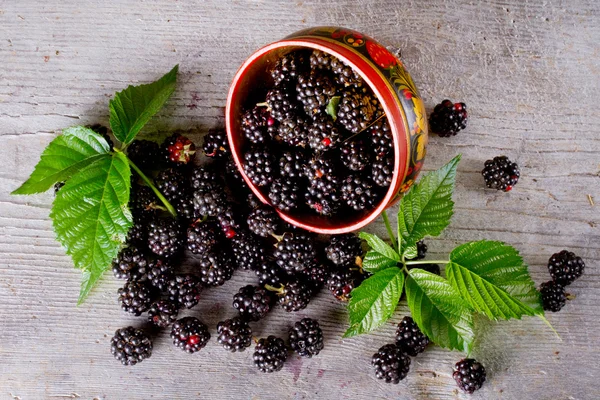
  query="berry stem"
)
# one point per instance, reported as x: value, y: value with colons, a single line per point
x: 386, y: 220
x: 278, y: 290
x: 427, y: 262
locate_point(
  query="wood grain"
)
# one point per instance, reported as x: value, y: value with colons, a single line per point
x: 529, y: 72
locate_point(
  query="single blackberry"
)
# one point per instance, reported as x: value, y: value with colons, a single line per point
x: 145, y: 154
x: 382, y: 142
x: 469, y: 374
x: 293, y: 131
x: 321, y: 60
x: 252, y: 201
x: 322, y: 168
x: 382, y: 171
x: 216, y: 268
x: 421, y: 250
x: 205, y: 178
x: 433, y: 268
x: 500, y: 173
x: 172, y: 183
x: 162, y: 313
x: 234, y: 334
x: 344, y: 249
x: 295, y: 252
x: 358, y: 193
x: 323, y: 198
x: 315, y: 275
x: 281, y: 104
x: 264, y: 221
x: 184, y: 290
x: 270, y: 354
x: 284, y: 193
x: 288, y: 67
x: 356, y: 110
x: 314, y: 91
x: 131, y: 264
x: 229, y: 223
x: 342, y: 281
x: 306, y: 337
x: 554, y: 297
x: 210, y: 203
x: 189, y: 334
x: 270, y: 274
x: 102, y: 131
x: 201, y: 237
x: 409, y: 337
x: 248, y: 251
x: 344, y: 75
x: 178, y: 149
x: 355, y: 154
x: 259, y: 165
x: 185, y: 208
x: 565, y: 267
x: 58, y: 186
x: 448, y: 118
x: 215, y: 144
x: 252, y: 302
x: 323, y: 134
x: 294, y: 295
x: 130, y: 345
x: 160, y: 273
x: 390, y: 364
x: 165, y: 237
x: 143, y: 200
x: 292, y: 164
x: 258, y: 126
x: 135, y: 297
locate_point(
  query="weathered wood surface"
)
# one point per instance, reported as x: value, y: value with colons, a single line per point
x: 530, y: 74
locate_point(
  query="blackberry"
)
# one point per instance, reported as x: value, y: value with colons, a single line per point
x: 252, y: 201
x: 382, y: 142
x: 160, y: 273
x: 216, y: 268
x: 143, y: 200
x: 355, y: 154
x: 145, y: 154
x: 288, y: 67
x: 323, y: 134
x: 258, y: 126
x: 210, y: 203
x: 131, y: 264
x: 292, y: 164
x: 565, y: 267
x: 553, y: 296
x: 172, y: 183
x: 234, y: 334
x: 382, y: 171
x: 233, y: 176
x: 314, y: 91
x: 248, y: 251
x: 215, y: 144
x: 162, y: 313
x: 433, y: 268
x: 270, y: 354
x: 322, y: 169
x: 281, y: 105
x: 264, y: 221
x: 130, y: 345
x: 293, y: 131
x: 358, y: 193
x: 306, y: 337
x: 344, y: 249
x: 259, y: 165
x: 201, y: 237
x: 447, y: 119
x: 295, y: 252
x: 409, y: 337
x: 390, y: 364
x: 135, y: 297
x: 102, y: 131
x: 421, y: 250
x: 344, y: 75
x: 205, y: 178
x: 270, y: 274
x: 342, y: 281
x: 500, y: 173
x: 283, y: 194
x: 316, y: 275
x: 178, y: 149
x: 356, y: 111
x: 58, y: 186
x: 321, y: 60
x: 252, y: 302
x: 165, y: 237
x: 228, y: 221
x: 294, y: 295
x: 138, y: 233
x: 189, y: 334
x: 184, y: 290
x: 469, y: 374
x: 185, y: 208
x: 323, y: 198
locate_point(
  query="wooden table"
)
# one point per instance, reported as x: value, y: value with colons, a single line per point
x: 530, y: 74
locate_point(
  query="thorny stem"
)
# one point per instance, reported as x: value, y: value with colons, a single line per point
x: 389, y: 230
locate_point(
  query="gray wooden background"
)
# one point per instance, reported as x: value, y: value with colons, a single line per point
x: 530, y: 74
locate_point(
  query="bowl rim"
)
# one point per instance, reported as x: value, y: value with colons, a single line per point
x: 398, y: 124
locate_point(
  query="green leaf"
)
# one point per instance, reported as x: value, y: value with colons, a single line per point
x: 91, y: 218
x: 374, y: 301
x: 492, y: 277
x: 332, y: 107
x: 427, y: 208
x: 75, y: 149
x: 374, y: 262
x: 378, y: 245
x: 133, y: 107
x: 439, y: 311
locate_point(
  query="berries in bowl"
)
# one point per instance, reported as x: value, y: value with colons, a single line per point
x: 326, y: 126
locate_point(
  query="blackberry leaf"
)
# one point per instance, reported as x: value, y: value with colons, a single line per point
x: 374, y: 262
x: 332, y: 107
x: 379, y: 246
x: 493, y: 279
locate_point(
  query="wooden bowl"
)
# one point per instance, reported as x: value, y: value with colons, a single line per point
x: 390, y: 82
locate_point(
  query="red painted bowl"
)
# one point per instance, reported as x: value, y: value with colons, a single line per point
x: 388, y: 79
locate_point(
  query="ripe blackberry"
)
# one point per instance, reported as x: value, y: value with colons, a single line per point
x: 281, y: 105
x: 189, y: 334
x: 500, y: 173
x: 383, y: 170
x: 178, y: 149
x: 252, y: 201
x: 447, y: 119
x: 205, y: 178
x: 185, y: 208
x: 270, y: 274
x: 252, y: 302
x: 229, y: 222
x: 322, y: 168
x: 295, y: 252
x: 162, y: 313
x: 131, y: 264
x: 409, y: 337
x: 358, y: 193
x: 215, y: 144
x: 184, y: 290
x: 565, y: 267
x: 421, y: 250
x: 321, y: 60
x: 390, y: 364
x: 143, y: 200
x: 342, y: 281
x: 201, y: 237
x: 258, y: 126
x: 172, y: 183
x: 294, y: 295
x: 135, y: 297
x: 306, y: 337
x: 264, y: 221
x: 165, y: 237
x: 210, y: 203
x: 284, y: 193
x: 554, y: 297
x: 288, y: 67
x: 248, y: 251
x: 259, y: 165
x: 356, y: 110
x: 344, y: 75
x: 138, y: 233
x: 216, y: 268
x: 292, y: 164
x: 323, y: 198
x: 323, y: 134
x: 355, y: 154
x: 382, y: 142
x: 293, y: 131
x: 469, y: 374
x: 130, y: 345
x: 270, y: 354
x: 233, y: 177
x: 160, y: 273
x: 145, y: 154
x: 58, y: 186
x: 344, y: 249
x: 433, y: 268
x: 234, y: 334
x: 314, y: 91
x: 102, y: 131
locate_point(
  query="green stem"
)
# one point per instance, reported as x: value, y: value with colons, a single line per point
x: 386, y: 220
x: 427, y: 262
